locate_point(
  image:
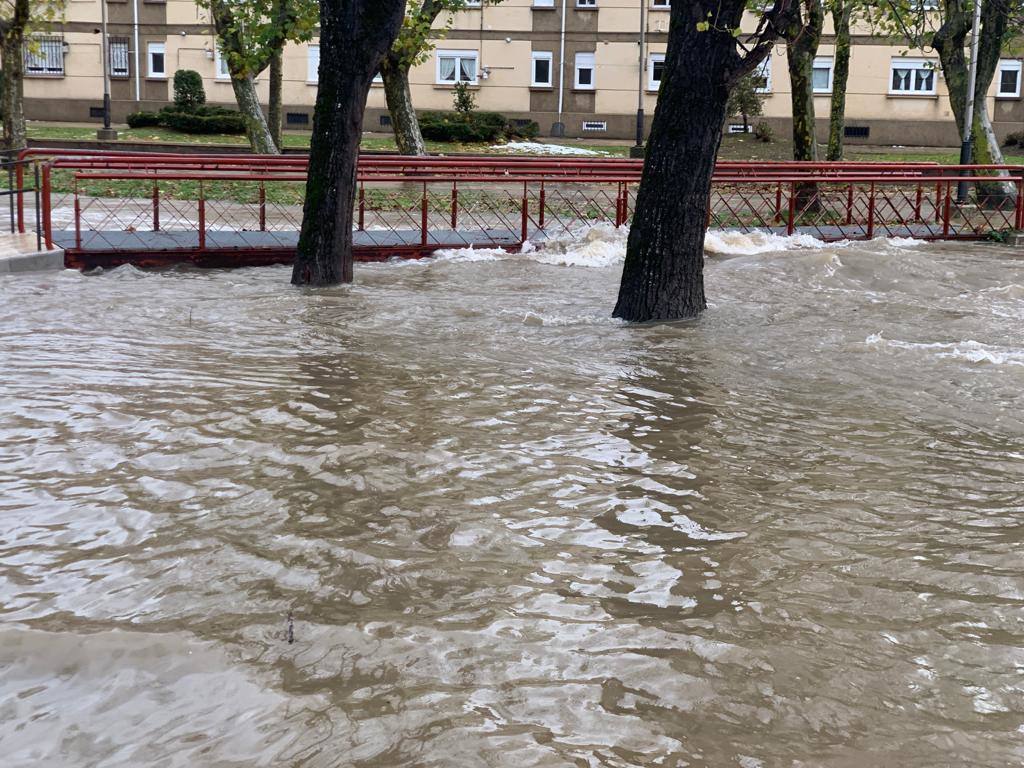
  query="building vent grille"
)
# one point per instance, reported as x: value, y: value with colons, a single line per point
x: 297, y: 118
x: 856, y: 132
x: 385, y: 121
x: 595, y: 125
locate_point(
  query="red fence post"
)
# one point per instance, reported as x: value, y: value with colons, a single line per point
x: 791, y: 219
x: 1019, y: 220
x: 540, y: 221
x: 871, y: 212
x: 423, y: 212
x: 526, y: 214
x: 938, y: 202
x: 263, y: 207
x: 20, y: 175
x: 47, y: 209
x: 78, y: 220
x: 156, y: 207
x: 362, y: 207
x: 849, y: 206
x: 778, y: 203
x: 917, y: 203
x: 946, y: 211
x: 202, y: 218
x: 455, y: 206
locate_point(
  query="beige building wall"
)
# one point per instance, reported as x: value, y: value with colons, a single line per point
x: 503, y: 39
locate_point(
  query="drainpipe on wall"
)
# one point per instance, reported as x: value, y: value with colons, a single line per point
x: 135, y: 35
x: 558, y: 129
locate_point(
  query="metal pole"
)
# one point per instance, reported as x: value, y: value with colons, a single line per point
x: 972, y: 79
x: 558, y: 129
x: 638, y: 150
x: 106, y: 64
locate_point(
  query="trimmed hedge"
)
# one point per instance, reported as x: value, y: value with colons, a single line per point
x: 196, y: 122
x: 143, y: 119
x: 202, y: 120
x: 473, y: 127
x: 188, y: 90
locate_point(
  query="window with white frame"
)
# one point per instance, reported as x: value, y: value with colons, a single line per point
x: 584, y: 71
x: 540, y: 69
x: 655, y: 70
x: 155, y: 54
x: 821, y: 74
x: 661, y: 3
x: 763, y: 77
x: 925, y: 5
x: 44, y: 56
x: 586, y: 3
x: 913, y: 77
x: 456, y: 67
x: 117, y: 49
x: 220, y: 65
x: 1008, y: 84
x: 543, y: 3
x: 313, y: 63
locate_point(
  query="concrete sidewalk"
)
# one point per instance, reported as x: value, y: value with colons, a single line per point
x: 18, y: 254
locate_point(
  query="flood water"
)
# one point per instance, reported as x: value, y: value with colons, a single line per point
x: 509, y: 530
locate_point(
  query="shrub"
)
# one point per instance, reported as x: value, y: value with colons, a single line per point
x: 143, y: 119
x: 528, y: 130
x: 464, y: 100
x: 763, y: 132
x: 1015, y: 139
x: 474, y: 127
x: 188, y: 90
x: 221, y: 121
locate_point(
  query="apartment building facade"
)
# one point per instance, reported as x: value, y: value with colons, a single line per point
x: 580, y: 68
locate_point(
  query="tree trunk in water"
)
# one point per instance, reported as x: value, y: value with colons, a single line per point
x: 274, y: 116
x: 399, y: 98
x: 256, y: 128
x: 663, y: 277
x: 12, y: 93
x: 354, y: 36
x: 841, y: 12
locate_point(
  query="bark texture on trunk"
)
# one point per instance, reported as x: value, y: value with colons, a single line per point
x: 802, y: 38
x: 275, y: 119
x: 256, y: 128
x: 404, y: 122
x: 662, y: 278
x: 12, y: 91
x: 841, y: 11
x: 354, y: 36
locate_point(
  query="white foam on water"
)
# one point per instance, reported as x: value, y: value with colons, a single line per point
x: 969, y: 350
x: 536, y: 148
x: 730, y: 242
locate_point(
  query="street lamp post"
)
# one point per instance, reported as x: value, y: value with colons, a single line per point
x: 638, y: 150
x: 106, y: 133
x: 972, y: 79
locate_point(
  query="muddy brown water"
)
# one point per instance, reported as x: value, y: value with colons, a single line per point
x: 511, y: 531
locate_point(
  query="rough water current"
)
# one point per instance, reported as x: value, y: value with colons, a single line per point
x: 509, y: 530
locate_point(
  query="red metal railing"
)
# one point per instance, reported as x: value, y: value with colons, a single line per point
x: 157, y: 208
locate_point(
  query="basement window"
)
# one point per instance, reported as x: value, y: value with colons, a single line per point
x: 296, y: 118
x: 856, y: 131
x: 595, y: 125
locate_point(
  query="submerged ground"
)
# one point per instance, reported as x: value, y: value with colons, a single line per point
x: 510, y: 530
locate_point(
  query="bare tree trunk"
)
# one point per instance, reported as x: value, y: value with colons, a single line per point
x: 242, y: 82
x: 12, y: 90
x: 842, y: 10
x: 275, y: 119
x: 354, y: 36
x: 663, y: 277
x: 404, y: 122
x: 802, y: 39
x: 256, y: 128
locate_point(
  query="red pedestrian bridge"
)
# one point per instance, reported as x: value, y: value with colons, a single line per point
x: 110, y: 208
